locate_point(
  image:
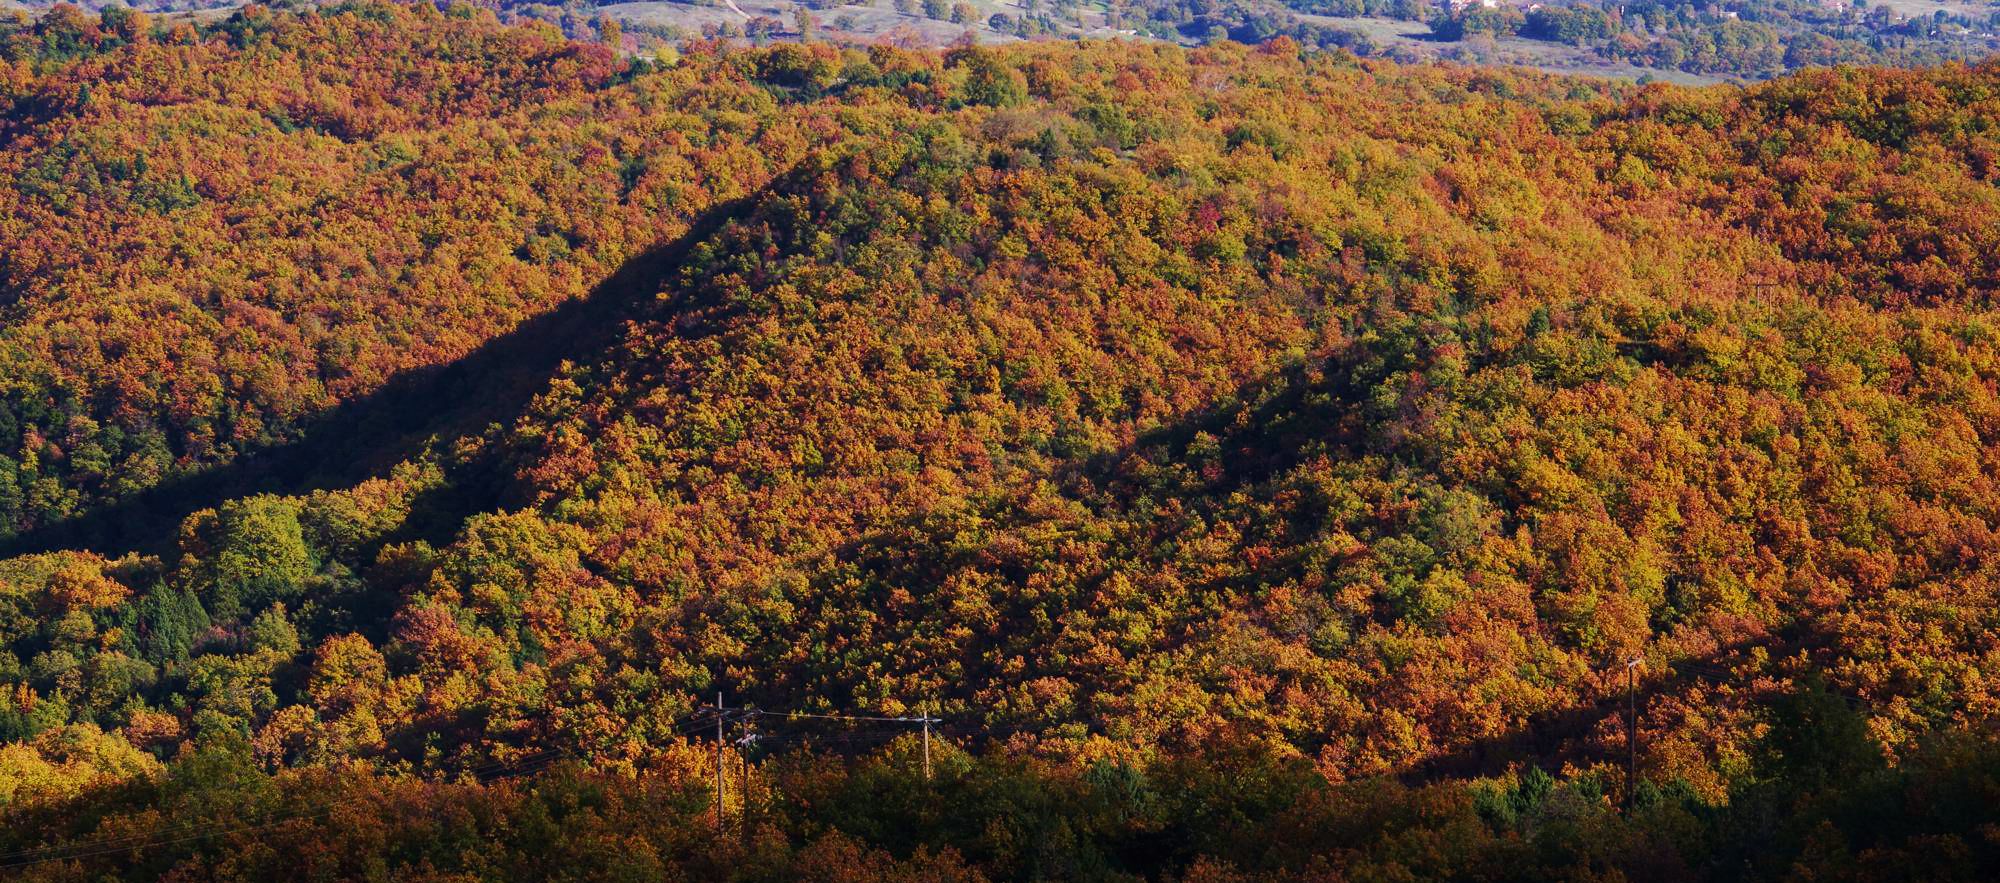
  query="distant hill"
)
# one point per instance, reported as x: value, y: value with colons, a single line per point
x: 1687, y: 43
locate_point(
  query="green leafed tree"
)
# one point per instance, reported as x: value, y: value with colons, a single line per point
x: 246, y: 555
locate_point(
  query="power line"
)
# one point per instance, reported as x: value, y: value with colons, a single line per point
x: 850, y: 739
x: 850, y: 717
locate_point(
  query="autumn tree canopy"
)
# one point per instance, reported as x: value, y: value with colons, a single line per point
x: 1262, y: 461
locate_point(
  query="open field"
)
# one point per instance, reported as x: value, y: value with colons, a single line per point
x: 870, y: 22
x: 863, y: 22
x: 1415, y: 37
x: 855, y: 21
x: 204, y: 16
x: 1920, y: 8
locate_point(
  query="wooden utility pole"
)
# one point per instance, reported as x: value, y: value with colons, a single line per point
x: 927, y: 742
x: 1631, y: 729
x: 743, y: 809
x: 718, y: 763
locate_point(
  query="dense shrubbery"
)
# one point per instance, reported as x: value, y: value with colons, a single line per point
x: 1222, y: 431
x: 1221, y: 815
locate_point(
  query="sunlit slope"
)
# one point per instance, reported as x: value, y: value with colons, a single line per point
x: 1115, y: 401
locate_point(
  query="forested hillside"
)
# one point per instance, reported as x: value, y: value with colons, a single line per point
x: 1261, y: 463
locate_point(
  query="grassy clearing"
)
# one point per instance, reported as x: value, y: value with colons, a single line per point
x: 1414, y: 38
x: 854, y: 21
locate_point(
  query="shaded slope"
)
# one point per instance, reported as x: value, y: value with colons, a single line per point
x: 418, y: 411
x: 213, y: 237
